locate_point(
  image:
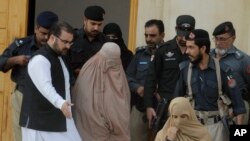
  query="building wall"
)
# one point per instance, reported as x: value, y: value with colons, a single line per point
x: 208, y: 14
x: 72, y: 11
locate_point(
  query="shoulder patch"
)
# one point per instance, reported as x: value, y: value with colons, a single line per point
x: 22, y: 41
x: 163, y: 44
x: 183, y: 64
x: 17, y: 42
x: 139, y: 49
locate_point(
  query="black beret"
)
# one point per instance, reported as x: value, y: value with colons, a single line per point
x: 95, y: 13
x: 184, y: 24
x: 223, y: 28
x: 197, y: 34
x: 46, y: 19
x: 112, y: 28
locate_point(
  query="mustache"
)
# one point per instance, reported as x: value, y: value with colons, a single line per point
x: 95, y: 31
x: 182, y: 43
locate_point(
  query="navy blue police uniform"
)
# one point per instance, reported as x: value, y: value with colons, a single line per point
x: 240, y: 63
x: 163, y: 72
x: 83, y: 49
x: 205, y: 87
x: 24, y: 46
x: 136, y: 73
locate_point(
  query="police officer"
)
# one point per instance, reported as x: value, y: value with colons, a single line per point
x: 16, y: 57
x: 204, y: 80
x: 163, y: 72
x: 226, y: 52
x: 136, y: 73
x: 89, y: 38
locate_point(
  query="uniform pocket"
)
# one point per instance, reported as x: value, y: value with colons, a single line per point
x: 212, y: 89
x: 142, y: 71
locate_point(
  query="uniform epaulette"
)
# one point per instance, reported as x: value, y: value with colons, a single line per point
x: 183, y: 64
x: 238, y: 55
x: 22, y: 41
x: 162, y: 44
x: 139, y: 49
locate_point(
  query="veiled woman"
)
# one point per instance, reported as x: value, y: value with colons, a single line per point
x: 101, y: 96
x: 182, y: 124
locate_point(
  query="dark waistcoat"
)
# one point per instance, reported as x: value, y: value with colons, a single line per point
x: 37, y: 112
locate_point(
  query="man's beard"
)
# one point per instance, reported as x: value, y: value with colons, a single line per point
x: 93, y: 33
x: 197, y: 60
x: 182, y: 43
x: 221, y: 51
x: 58, y: 51
x: 151, y: 44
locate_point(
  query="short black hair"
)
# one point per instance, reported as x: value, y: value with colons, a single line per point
x: 200, y: 38
x: 57, y: 28
x: 201, y: 43
x: 156, y: 22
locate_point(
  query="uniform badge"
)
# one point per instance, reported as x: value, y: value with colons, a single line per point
x: 169, y: 54
x: 191, y: 36
x: 143, y: 63
x: 231, y: 81
x: 152, y: 58
x: 18, y: 42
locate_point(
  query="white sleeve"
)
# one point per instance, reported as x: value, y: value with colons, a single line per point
x: 40, y: 74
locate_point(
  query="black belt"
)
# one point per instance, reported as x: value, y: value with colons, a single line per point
x: 210, y: 120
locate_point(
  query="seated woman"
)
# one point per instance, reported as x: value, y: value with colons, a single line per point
x: 182, y: 124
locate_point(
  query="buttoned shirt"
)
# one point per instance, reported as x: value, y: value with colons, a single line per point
x: 240, y: 63
x: 25, y: 46
x: 205, y: 87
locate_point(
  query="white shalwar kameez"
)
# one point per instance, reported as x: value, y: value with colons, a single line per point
x: 39, y: 71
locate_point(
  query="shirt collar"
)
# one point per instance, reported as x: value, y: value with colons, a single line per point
x: 211, y: 64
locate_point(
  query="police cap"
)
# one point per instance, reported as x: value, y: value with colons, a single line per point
x: 95, y: 13
x: 46, y: 19
x: 225, y: 27
x: 184, y: 24
x: 197, y: 34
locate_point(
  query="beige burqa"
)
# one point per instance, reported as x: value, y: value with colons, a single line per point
x: 190, y: 129
x: 101, y: 96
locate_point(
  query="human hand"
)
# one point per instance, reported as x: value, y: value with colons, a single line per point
x: 140, y: 91
x: 22, y: 60
x: 171, y: 133
x: 77, y: 71
x: 66, y: 109
x: 150, y: 115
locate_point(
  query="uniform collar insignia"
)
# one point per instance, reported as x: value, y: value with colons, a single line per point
x: 169, y: 54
